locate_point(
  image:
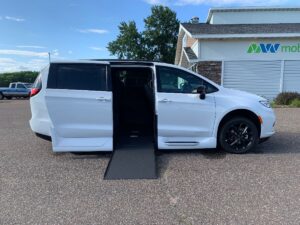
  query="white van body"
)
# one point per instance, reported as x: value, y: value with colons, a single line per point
x: 83, y: 120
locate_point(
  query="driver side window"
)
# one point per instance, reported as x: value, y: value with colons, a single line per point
x: 171, y: 80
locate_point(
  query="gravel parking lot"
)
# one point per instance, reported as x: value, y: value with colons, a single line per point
x: 195, y: 187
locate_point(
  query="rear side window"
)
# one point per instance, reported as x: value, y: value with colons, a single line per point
x: 13, y: 85
x: 90, y: 77
x: 20, y: 86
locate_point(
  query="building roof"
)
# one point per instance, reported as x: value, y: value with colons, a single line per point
x: 249, y: 9
x: 202, y: 29
x: 190, y: 53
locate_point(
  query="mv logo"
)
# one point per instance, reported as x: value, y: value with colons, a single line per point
x: 263, y: 48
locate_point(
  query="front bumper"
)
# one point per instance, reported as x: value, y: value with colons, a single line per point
x: 268, y: 125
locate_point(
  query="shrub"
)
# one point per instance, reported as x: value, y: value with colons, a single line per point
x: 286, y: 98
x: 272, y: 104
x: 296, y: 103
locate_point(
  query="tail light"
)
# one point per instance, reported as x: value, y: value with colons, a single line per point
x: 34, y: 91
x: 37, y: 86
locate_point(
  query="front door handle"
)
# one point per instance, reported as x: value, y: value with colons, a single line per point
x: 103, y: 99
x: 165, y: 101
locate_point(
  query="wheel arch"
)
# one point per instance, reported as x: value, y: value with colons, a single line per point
x: 242, y: 113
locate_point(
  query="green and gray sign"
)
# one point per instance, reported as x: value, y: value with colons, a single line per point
x: 272, y: 48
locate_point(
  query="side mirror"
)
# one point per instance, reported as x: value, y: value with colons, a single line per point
x: 201, y: 90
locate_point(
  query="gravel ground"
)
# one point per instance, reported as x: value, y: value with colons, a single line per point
x: 195, y: 187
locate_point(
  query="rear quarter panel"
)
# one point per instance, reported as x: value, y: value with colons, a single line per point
x: 40, y: 121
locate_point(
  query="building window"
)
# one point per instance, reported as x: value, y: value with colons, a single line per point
x: 184, y: 41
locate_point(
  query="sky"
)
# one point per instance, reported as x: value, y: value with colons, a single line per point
x: 81, y: 29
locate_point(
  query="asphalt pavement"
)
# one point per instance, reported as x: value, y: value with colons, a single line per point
x: 38, y: 186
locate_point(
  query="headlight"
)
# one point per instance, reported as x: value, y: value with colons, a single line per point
x: 265, y: 103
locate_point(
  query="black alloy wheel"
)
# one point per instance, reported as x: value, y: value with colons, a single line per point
x: 238, y: 135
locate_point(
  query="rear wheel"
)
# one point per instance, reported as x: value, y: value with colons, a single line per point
x: 1, y: 96
x: 8, y: 97
x: 238, y: 135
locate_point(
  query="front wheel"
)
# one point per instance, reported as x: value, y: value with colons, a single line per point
x: 238, y: 135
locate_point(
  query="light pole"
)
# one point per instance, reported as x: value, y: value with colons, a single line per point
x: 49, y: 54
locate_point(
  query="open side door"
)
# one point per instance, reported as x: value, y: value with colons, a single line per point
x: 79, y: 103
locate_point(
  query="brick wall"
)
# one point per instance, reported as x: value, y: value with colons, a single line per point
x: 211, y: 69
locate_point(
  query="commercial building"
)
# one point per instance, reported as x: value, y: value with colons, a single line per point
x: 252, y: 49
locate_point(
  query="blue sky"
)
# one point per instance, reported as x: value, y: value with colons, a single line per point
x: 81, y: 29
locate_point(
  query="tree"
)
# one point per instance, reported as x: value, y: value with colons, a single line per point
x: 24, y: 76
x: 156, y: 42
x: 128, y: 43
x: 160, y: 35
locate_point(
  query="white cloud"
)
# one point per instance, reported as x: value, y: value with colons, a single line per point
x: 11, y: 65
x: 16, y: 19
x: 217, y: 2
x: 30, y: 46
x: 96, y: 31
x: 70, y: 52
x: 6, y: 60
x: 23, y: 53
x: 55, y: 52
x: 97, y: 48
x: 229, y: 2
x: 158, y: 2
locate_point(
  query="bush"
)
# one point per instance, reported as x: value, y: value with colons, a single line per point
x: 286, y: 98
x: 296, y: 103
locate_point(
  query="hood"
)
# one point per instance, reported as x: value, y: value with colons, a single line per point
x: 241, y: 94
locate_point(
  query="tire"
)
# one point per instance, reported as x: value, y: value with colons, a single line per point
x: 1, y: 96
x: 8, y: 97
x: 238, y: 135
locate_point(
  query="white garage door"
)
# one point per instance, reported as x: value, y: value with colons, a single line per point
x: 258, y: 77
x: 291, y: 76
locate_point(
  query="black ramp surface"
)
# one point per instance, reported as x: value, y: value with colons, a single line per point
x: 133, y: 160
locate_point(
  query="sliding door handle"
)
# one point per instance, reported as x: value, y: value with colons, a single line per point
x: 103, y: 99
x: 165, y: 100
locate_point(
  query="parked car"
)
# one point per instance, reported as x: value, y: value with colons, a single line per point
x: 89, y: 105
x: 17, y: 89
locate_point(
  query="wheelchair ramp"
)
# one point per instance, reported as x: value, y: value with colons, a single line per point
x: 134, y: 158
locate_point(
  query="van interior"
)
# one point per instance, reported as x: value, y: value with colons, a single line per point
x: 133, y: 105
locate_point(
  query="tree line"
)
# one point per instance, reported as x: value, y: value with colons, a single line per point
x: 23, y: 76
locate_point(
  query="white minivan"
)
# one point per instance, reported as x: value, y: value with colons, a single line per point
x: 89, y: 105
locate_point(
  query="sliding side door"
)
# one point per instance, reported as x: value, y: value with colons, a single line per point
x: 79, y: 102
